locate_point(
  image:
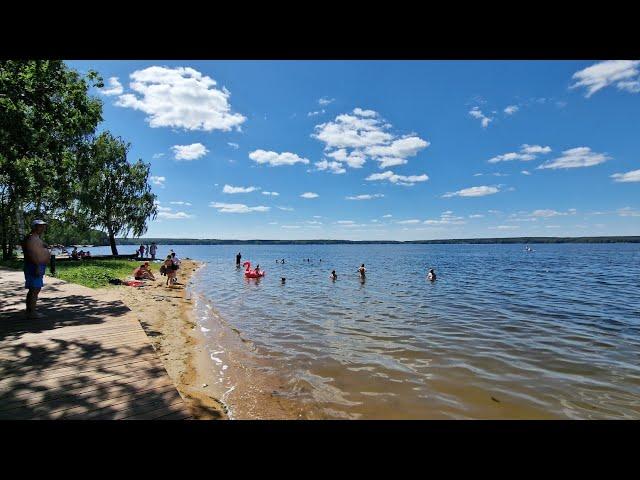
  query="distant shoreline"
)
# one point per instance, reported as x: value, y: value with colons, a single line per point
x: 509, y: 240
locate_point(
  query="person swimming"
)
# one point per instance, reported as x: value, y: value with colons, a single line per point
x: 282, y: 261
x: 431, y: 275
x: 362, y: 271
x: 334, y: 275
x: 283, y: 279
x: 257, y: 269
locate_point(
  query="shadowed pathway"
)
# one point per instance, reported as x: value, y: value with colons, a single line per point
x: 88, y: 358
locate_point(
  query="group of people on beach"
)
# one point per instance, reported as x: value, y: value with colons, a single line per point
x: 169, y: 268
x: 150, y: 250
x: 80, y: 255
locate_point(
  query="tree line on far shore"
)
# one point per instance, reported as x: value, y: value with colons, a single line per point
x: 213, y: 241
x: 55, y: 165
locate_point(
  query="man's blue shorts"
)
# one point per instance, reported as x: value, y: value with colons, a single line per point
x: 34, y: 276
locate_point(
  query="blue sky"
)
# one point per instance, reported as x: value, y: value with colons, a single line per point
x: 397, y: 150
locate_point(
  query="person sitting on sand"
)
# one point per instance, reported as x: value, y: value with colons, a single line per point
x: 74, y: 253
x: 362, y: 271
x: 334, y: 275
x: 431, y: 275
x: 143, y: 272
x: 88, y: 254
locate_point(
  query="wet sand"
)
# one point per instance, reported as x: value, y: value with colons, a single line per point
x: 166, y: 314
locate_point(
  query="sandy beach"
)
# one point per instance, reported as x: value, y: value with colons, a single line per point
x: 167, y: 317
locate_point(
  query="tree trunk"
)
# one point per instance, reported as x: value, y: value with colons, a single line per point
x: 112, y: 242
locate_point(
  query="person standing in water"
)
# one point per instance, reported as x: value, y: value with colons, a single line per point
x: 362, y: 271
x: 36, y: 257
x: 431, y: 275
x: 334, y: 275
x: 238, y: 258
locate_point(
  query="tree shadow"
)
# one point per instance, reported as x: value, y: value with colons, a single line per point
x: 47, y: 371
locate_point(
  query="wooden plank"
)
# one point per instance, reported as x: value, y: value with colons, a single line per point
x: 73, y: 349
x: 120, y: 408
x: 37, y: 379
x: 79, y: 335
x: 123, y: 389
x: 103, y: 358
x: 96, y: 362
x: 28, y: 396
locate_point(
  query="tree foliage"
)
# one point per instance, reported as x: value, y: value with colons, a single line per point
x: 47, y: 118
x: 115, y: 194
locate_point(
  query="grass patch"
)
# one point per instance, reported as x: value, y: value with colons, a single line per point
x: 90, y: 273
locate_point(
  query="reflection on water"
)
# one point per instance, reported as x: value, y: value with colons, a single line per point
x: 501, y: 333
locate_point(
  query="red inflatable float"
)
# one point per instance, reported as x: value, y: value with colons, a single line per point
x: 252, y: 273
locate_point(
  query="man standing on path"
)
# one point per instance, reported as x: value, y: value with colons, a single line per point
x: 36, y: 258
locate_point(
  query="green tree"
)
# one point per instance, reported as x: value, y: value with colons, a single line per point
x: 47, y: 118
x: 115, y: 194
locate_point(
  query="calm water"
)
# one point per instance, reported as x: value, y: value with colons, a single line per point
x: 501, y: 334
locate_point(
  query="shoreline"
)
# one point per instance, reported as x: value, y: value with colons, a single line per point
x: 168, y: 318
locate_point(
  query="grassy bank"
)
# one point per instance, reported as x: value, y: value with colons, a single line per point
x: 90, y: 273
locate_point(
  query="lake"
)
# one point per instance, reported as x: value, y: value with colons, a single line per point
x: 501, y: 333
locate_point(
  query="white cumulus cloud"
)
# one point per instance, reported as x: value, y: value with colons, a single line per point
x: 511, y: 109
x: 475, y: 112
x: 365, y: 197
x: 576, y: 158
x: 624, y: 74
x: 333, y: 167
x: 309, y: 195
x: 275, y: 159
x: 480, y: 191
x: 237, y: 208
x: 527, y: 153
x: 180, y: 98
x: 232, y: 189
x: 273, y: 194
x: 189, y: 152
x: 353, y: 137
x: 158, y: 180
x: 174, y: 215
x: 115, y: 87
x: 407, y: 180
x: 632, y: 176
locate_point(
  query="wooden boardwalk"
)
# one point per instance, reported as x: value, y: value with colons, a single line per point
x: 89, y: 358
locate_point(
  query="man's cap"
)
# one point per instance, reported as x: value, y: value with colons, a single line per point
x: 38, y: 222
